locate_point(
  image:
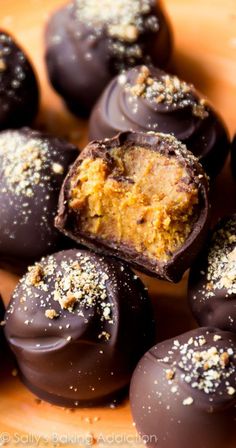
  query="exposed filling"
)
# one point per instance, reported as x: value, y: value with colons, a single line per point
x: 143, y: 199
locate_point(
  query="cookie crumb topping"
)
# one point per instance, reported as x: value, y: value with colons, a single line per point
x: 124, y: 21
x: 168, y: 90
x: 75, y: 285
x: 22, y: 162
x: 202, y: 365
x: 51, y: 314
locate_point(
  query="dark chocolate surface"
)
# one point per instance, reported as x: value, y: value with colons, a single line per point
x: 87, y: 43
x: 233, y: 156
x: 183, y: 391
x: 148, y: 99
x: 19, y: 94
x: 78, y: 323
x: 32, y: 168
x: 68, y: 221
x: 212, y: 281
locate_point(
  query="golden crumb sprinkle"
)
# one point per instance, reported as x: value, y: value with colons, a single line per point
x: 57, y: 168
x: 170, y: 374
x: 35, y: 275
x: 51, y: 314
x: 68, y: 302
x: 224, y: 359
x: 169, y: 90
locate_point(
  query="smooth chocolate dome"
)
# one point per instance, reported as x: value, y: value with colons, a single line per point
x: 78, y: 323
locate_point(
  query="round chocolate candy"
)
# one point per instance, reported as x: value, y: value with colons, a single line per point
x: 19, y: 95
x: 78, y: 323
x: 89, y: 41
x: 148, y: 99
x: 140, y: 197
x: 32, y: 169
x: 212, y: 281
x: 183, y: 391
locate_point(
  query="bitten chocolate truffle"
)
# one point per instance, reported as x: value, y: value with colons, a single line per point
x: 140, y: 197
x: 90, y: 41
x: 183, y: 391
x: 19, y: 94
x: 32, y: 168
x: 148, y: 99
x: 78, y: 323
x: 212, y: 281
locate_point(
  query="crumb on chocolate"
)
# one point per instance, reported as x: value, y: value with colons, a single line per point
x: 124, y: 22
x: 35, y: 275
x: 188, y: 401
x: 167, y: 89
x: 51, y: 313
x: 57, y: 168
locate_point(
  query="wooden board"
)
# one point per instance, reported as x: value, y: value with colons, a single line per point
x: 205, y: 54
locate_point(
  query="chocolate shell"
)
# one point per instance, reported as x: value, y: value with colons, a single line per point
x: 88, y: 42
x: 19, y: 93
x: 148, y: 99
x: 32, y: 168
x: 175, y: 183
x: 183, y: 391
x: 212, y: 281
x: 78, y: 323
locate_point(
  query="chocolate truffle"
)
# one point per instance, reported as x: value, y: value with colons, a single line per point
x: 148, y: 99
x: 19, y: 95
x: 183, y: 391
x: 212, y: 281
x: 140, y: 197
x: 32, y: 168
x: 78, y: 324
x: 89, y: 41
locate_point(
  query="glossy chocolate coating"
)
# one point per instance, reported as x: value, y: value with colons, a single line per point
x: 183, y: 391
x: 19, y: 95
x: 212, y: 285
x: 82, y: 57
x: 180, y: 113
x: 33, y: 166
x: 67, y: 220
x: 84, y: 355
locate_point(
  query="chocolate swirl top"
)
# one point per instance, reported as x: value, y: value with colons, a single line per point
x: 149, y: 99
